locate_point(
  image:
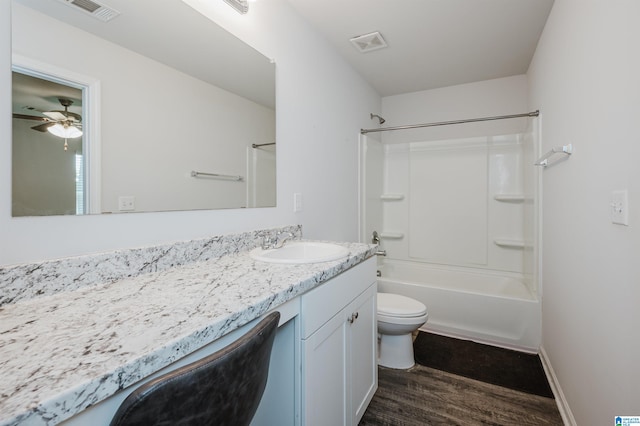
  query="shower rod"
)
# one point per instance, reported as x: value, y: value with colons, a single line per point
x: 445, y: 123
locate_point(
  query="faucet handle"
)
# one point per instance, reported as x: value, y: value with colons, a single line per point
x: 267, y: 242
x: 280, y: 242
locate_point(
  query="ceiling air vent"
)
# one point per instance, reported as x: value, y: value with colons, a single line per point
x: 93, y: 8
x: 241, y: 6
x: 368, y: 42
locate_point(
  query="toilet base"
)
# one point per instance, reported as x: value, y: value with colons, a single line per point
x: 396, y: 351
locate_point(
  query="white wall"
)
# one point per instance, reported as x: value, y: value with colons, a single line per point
x: 321, y: 105
x: 502, y: 96
x: 45, y: 182
x: 585, y: 78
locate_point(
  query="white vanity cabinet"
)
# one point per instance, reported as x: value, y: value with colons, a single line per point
x: 339, y: 336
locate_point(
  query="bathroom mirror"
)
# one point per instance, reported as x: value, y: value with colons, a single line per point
x: 176, y: 113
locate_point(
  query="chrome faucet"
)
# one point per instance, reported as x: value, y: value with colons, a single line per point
x: 267, y: 243
x: 276, y: 242
x: 279, y: 242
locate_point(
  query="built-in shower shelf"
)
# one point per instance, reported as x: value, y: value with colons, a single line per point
x: 392, y: 197
x: 510, y: 198
x: 504, y: 242
x: 392, y: 235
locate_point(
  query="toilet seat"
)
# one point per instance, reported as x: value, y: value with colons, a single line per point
x: 398, y: 306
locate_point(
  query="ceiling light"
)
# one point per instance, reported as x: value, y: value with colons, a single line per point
x: 368, y: 42
x: 65, y: 131
x: 241, y: 6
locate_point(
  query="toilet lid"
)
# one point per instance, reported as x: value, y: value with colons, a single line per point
x: 399, y: 306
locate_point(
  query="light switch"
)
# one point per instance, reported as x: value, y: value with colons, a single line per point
x: 297, y: 202
x: 620, y: 207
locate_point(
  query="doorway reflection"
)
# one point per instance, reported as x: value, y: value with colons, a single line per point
x: 48, y: 167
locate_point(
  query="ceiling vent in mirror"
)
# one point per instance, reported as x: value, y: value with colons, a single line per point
x: 93, y: 8
x: 241, y: 6
x: 368, y: 42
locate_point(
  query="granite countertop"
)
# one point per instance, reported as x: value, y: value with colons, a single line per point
x: 62, y: 353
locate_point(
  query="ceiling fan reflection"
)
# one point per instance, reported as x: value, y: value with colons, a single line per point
x: 64, y: 124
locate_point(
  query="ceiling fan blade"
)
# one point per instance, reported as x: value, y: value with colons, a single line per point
x: 63, y: 115
x: 74, y: 116
x: 55, y: 115
x: 28, y: 117
x: 43, y: 127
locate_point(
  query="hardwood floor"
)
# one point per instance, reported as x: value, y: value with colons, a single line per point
x: 425, y: 396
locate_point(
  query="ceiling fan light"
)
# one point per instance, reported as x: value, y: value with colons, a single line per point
x: 73, y: 132
x: 56, y: 130
x: 67, y: 132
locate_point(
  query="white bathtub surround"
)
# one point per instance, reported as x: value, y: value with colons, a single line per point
x: 463, y: 199
x: 458, y: 209
x: 64, y: 352
x: 22, y: 282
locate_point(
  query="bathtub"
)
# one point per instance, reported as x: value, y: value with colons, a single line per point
x: 488, y: 307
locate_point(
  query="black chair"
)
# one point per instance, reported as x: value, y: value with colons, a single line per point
x: 224, y: 388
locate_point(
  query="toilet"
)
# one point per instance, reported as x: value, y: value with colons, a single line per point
x: 398, y: 317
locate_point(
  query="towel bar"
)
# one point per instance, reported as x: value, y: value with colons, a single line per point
x: 544, y: 160
x: 215, y: 175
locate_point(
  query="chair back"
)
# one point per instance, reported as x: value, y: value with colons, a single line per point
x: 224, y: 388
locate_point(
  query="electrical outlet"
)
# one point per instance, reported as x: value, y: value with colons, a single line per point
x: 620, y: 207
x: 126, y: 203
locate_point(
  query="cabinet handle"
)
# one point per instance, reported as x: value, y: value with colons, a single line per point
x: 353, y: 318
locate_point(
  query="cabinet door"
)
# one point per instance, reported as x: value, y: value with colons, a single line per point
x: 325, y: 368
x: 363, y: 353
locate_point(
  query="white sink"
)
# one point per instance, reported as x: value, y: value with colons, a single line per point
x: 300, y: 252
